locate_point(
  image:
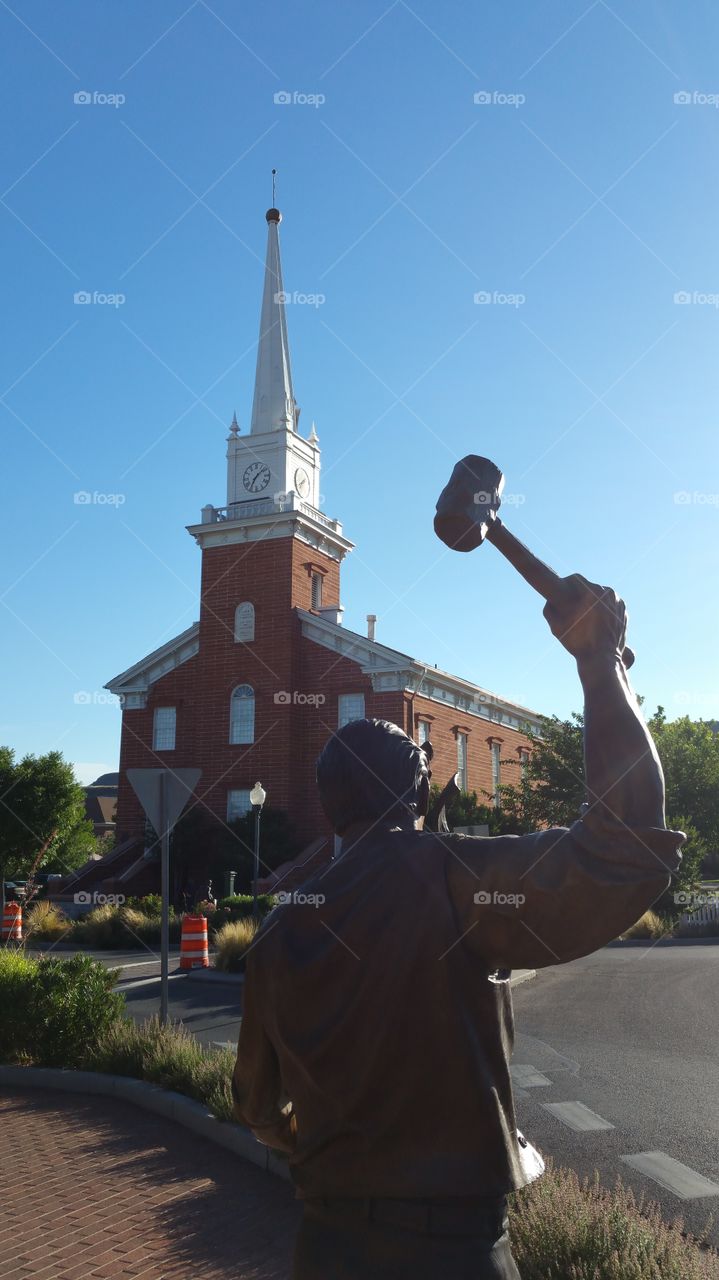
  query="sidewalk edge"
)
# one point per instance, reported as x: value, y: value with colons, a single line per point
x: 151, y: 1097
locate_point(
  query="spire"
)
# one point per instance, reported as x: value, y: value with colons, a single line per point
x: 234, y: 426
x: 274, y: 407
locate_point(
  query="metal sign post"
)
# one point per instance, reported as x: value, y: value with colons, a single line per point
x: 163, y: 794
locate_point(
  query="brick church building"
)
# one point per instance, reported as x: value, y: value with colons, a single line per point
x: 255, y: 687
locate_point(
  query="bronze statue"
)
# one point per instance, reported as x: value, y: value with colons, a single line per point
x: 377, y: 1026
x: 467, y: 514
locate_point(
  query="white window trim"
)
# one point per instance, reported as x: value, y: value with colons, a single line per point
x: 249, y: 608
x: 164, y: 728
x: 235, y: 726
x: 342, y: 720
x: 462, y: 760
x: 232, y: 815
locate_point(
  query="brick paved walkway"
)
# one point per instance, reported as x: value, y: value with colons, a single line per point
x: 95, y: 1189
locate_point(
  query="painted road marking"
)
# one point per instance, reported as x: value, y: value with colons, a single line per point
x: 224, y: 1044
x: 526, y: 1077
x: 133, y: 983
x: 577, y: 1116
x: 669, y: 1173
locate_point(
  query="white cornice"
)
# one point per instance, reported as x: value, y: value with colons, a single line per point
x: 132, y: 686
x: 392, y: 671
x: 265, y: 519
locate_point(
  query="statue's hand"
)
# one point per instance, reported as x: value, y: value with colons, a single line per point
x: 587, y: 619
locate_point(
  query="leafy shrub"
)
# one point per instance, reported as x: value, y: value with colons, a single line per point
x: 564, y: 1229
x: 17, y: 973
x: 54, y: 1009
x: 240, y: 904
x: 169, y: 1056
x: 149, y: 905
x: 233, y: 941
x: 45, y: 920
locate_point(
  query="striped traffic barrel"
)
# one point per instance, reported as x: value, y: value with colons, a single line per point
x: 194, y: 953
x: 12, y: 922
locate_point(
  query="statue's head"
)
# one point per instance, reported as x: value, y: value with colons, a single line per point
x: 371, y: 771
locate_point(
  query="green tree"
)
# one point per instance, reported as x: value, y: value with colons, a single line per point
x: 553, y: 788
x: 689, y: 752
x: 466, y: 810
x: 42, y: 815
x: 551, y: 791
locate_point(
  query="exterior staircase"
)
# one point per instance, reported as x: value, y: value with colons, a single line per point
x: 290, y: 875
x: 122, y: 870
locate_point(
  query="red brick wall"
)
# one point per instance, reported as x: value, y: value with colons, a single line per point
x: 176, y: 689
x: 289, y: 735
x: 445, y: 721
x: 275, y: 576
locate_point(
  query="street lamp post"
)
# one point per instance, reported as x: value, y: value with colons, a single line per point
x: 258, y: 795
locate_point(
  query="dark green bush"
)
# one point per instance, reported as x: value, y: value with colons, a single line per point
x: 150, y: 904
x: 54, y: 1010
x: 241, y: 904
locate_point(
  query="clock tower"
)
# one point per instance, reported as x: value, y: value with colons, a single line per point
x: 274, y: 461
x: 273, y: 481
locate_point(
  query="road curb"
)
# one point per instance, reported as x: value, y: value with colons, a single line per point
x: 151, y: 1097
x: 664, y: 942
x: 215, y: 975
x: 521, y: 975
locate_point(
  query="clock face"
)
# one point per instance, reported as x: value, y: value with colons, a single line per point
x: 256, y: 477
x: 302, y: 482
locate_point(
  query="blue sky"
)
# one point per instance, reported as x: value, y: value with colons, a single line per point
x: 581, y: 189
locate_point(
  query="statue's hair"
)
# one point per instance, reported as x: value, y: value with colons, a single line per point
x: 370, y: 770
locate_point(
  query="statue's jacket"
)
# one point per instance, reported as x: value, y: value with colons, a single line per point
x: 377, y: 1025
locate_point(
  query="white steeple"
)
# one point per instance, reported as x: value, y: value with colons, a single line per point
x: 273, y: 472
x: 274, y: 407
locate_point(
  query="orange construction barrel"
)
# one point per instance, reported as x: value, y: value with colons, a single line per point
x: 194, y: 953
x: 12, y: 922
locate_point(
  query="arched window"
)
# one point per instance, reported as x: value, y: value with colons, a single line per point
x: 242, y: 714
x: 245, y: 622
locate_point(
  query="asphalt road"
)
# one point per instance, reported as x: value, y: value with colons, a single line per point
x: 631, y: 1034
